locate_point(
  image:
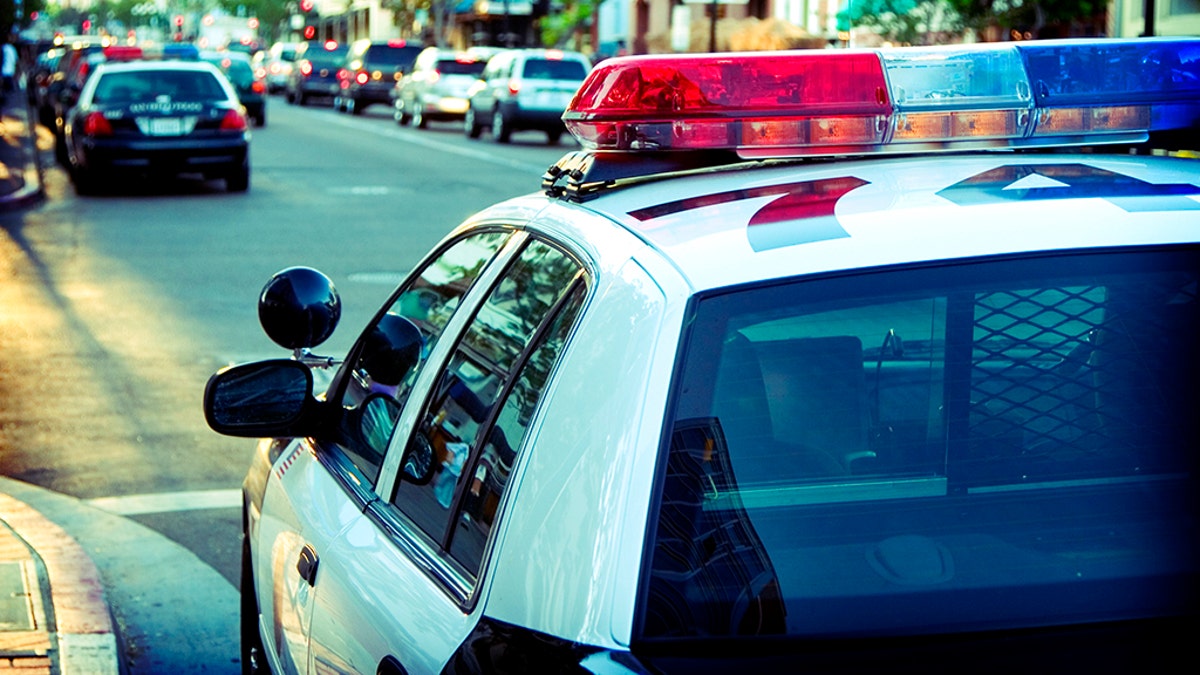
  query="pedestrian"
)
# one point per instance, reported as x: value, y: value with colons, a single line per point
x: 8, y: 69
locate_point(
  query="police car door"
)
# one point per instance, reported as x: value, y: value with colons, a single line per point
x: 398, y: 594
x: 322, y: 485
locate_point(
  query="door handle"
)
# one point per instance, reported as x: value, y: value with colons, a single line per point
x: 307, y: 565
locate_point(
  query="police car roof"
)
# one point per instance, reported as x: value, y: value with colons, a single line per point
x: 733, y: 227
x: 938, y: 138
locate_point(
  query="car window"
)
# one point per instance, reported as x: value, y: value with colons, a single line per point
x: 146, y: 86
x: 547, y: 69
x: 933, y: 450
x: 382, y: 55
x: 466, y: 400
x: 455, y: 67
x: 392, y: 350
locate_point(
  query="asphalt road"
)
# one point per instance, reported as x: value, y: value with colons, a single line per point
x: 114, y: 310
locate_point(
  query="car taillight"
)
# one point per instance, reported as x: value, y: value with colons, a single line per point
x: 514, y: 87
x: 258, y: 87
x: 343, y: 74
x: 362, y: 77
x: 306, y: 68
x: 435, y: 76
x: 233, y: 121
x: 96, y: 124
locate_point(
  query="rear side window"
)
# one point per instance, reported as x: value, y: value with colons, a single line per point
x: 995, y: 445
x: 547, y: 69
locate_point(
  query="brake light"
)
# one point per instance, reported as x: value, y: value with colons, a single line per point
x: 306, y: 68
x: 514, y: 87
x: 233, y: 121
x: 554, y: 54
x: 330, y: 45
x: 258, y: 87
x: 1065, y: 92
x: 96, y: 124
x: 343, y: 74
x: 396, y: 43
x: 362, y: 77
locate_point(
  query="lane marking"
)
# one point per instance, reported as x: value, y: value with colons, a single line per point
x: 168, y: 502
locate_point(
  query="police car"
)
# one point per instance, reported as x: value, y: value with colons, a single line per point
x: 808, y: 361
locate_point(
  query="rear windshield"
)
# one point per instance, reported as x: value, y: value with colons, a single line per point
x: 452, y: 67
x: 152, y: 85
x: 992, y: 445
x: 546, y: 69
x: 325, y: 59
x: 382, y: 55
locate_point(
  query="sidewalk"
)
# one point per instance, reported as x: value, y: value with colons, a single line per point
x: 20, y: 177
x: 54, y: 618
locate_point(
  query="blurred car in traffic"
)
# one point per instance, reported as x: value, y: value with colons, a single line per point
x: 73, y: 82
x: 810, y: 361
x: 277, y: 63
x: 58, y: 96
x: 153, y: 118
x: 315, y: 71
x: 524, y: 89
x: 37, y: 84
x: 436, y: 88
x: 251, y: 90
x: 370, y: 71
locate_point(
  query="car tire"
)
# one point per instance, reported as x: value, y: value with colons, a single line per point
x: 401, y: 115
x: 353, y: 107
x: 553, y: 137
x: 301, y: 99
x: 337, y: 104
x: 418, y: 119
x: 238, y: 180
x: 501, y: 130
x: 291, y: 98
x: 86, y: 183
x: 471, y: 126
x: 260, y: 120
x: 61, y: 154
x: 254, y: 657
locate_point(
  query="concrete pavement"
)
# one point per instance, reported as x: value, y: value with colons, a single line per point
x: 54, y: 617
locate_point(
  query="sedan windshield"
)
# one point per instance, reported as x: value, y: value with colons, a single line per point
x: 995, y: 445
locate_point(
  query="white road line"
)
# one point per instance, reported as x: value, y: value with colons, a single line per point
x: 168, y: 502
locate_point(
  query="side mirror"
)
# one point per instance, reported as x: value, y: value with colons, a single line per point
x: 377, y: 421
x: 418, y: 464
x: 267, y: 398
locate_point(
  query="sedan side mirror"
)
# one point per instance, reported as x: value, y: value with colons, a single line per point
x: 263, y: 399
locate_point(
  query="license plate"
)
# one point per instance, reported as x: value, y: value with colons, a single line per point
x: 166, y: 126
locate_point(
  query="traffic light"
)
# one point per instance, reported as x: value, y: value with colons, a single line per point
x: 310, y: 32
x: 306, y: 6
x: 179, y: 21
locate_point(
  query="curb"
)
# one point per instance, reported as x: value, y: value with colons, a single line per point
x: 81, y: 623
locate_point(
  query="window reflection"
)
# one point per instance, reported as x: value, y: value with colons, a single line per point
x: 469, y: 471
x: 393, y: 349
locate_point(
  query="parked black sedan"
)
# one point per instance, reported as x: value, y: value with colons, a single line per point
x: 160, y: 117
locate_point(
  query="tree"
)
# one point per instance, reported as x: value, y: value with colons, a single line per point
x: 1033, y: 18
x: 272, y: 15
x: 559, y: 28
x: 905, y: 22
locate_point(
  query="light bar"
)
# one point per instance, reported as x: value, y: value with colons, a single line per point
x: 1113, y: 86
x: 1065, y: 92
x: 754, y: 101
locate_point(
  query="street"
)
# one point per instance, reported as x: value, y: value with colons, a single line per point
x: 114, y: 311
